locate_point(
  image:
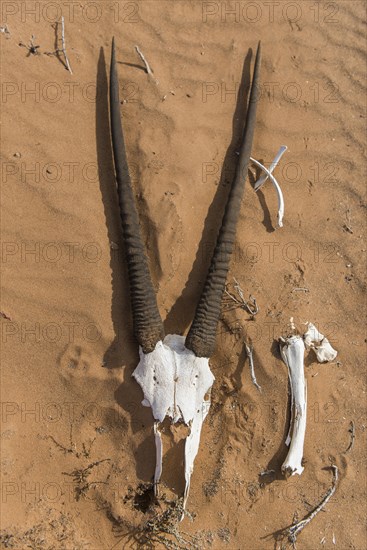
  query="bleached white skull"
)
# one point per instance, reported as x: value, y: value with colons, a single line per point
x: 175, y: 383
x: 173, y: 371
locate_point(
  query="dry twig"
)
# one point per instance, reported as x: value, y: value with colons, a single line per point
x: 63, y: 48
x: 352, y: 431
x: 72, y: 449
x: 146, y: 64
x: 57, y: 52
x: 249, y: 351
x: 80, y: 477
x: 348, y: 217
x: 250, y: 306
x: 160, y: 528
x: 293, y: 531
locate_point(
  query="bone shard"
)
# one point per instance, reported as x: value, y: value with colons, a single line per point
x: 260, y: 182
x: 175, y: 383
x: 277, y: 188
x: 319, y: 343
x: 292, y: 350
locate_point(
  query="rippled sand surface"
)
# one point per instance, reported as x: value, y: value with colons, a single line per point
x: 77, y: 447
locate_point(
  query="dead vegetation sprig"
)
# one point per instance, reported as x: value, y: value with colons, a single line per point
x: 294, y: 530
x: 249, y: 305
x: 161, y: 527
x: 80, y: 477
x: 352, y: 431
x: 72, y: 449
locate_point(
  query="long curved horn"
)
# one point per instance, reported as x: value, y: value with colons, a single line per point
x: 148, y: 326
x: 201, y: 336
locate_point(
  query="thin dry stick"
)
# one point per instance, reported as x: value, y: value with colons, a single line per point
x: 352, y: 431
x: 348, y: 225
x: 249, y: 351
x: 64, y: 46
x: 293, y: 531
x: 253, y: 310
x: 251, y: 306
x: 142, y: 57
x: 147, y: 66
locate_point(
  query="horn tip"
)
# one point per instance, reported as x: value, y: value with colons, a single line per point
x: 113, y: 55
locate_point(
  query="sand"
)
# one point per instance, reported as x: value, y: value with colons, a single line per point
x: 77, y: 449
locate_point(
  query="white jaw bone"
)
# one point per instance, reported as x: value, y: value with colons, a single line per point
x: 175, y: 382
x: 292, y: 350
x: 320, y: 344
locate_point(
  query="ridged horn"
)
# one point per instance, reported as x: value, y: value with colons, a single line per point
x: 201, y: 336
x: 148, y: 326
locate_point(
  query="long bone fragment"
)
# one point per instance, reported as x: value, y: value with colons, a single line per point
x: 173, y: 371
x: 292, y: 350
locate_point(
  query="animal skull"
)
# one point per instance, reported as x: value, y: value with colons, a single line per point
x: 175, y: 382
x: 173, y: 371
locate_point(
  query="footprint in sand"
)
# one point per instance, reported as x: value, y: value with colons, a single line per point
x: 77, y: 362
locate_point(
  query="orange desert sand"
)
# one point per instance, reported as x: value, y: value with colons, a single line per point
x: 77, y: 446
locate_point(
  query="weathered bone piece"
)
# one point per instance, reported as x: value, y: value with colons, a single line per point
x: 292, y: 350
x: 262, y: 179
x: 277, y: 188
x: 174, y: 372
x: 320, y: 344
x: 268, y: 173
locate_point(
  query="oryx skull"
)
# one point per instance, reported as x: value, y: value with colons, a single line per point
x: 173, y: 371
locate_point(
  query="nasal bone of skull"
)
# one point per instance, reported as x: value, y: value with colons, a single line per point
x: 175, y: 383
